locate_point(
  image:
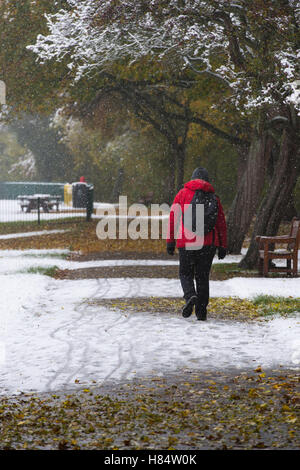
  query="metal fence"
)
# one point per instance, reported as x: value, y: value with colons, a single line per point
x: 36, y: 202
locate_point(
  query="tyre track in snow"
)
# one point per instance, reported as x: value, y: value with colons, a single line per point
x: 74, y: 339
x: 67, y: 334
x: 66, y: 329
x: 121, y: 356
x: 83, y: 310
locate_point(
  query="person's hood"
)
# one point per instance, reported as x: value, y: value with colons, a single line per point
x: 194, y: 185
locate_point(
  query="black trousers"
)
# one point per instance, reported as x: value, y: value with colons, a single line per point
x: 194, y: 267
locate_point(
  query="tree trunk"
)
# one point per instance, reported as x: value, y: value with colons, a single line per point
x: 275, y: 201
x: 291, y: 210
x: 170, y: 184
x: 250, y: 185
x: 180, y: 161
x: 117, y: 189
x: 243, y: 152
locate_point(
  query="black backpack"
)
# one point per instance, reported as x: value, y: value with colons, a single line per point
x: 210, y: 202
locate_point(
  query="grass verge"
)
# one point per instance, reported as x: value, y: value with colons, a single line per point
x: 220, y: 308
x: 49, y: 271
x: 271, y: 305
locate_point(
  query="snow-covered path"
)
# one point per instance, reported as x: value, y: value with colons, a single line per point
x: 51, y: 336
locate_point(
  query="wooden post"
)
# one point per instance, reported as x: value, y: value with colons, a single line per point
x: 39, y: 210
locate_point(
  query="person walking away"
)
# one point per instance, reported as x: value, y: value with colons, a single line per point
x: 196, y: 252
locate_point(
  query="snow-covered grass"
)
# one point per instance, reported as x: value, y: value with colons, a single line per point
x: 10, y: 211
x: 51, y: 335
x: 30, y: 234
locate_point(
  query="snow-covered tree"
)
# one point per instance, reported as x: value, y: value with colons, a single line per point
x: 252, y: 46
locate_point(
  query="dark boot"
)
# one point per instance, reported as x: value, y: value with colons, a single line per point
x: 189, y: 306
x: 201, y: 312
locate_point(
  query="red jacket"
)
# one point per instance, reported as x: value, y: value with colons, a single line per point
x: 184, y: 197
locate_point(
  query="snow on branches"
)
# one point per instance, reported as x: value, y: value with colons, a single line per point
x: 251, y: 46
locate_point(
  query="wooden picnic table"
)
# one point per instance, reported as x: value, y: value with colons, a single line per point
x: 45, y: 201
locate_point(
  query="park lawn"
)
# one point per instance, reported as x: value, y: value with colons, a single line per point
x: 78, y: 236
x: 248, y: 409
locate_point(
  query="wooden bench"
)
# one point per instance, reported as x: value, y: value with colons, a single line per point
x: 267, y: 252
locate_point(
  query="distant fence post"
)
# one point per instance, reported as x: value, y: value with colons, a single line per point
x: 39, y: 210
